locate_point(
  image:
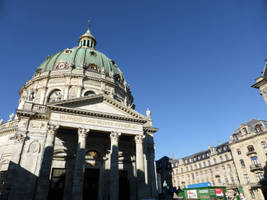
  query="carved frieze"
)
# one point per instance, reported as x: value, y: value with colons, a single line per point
x: 38, y: 125
x: 34, y: 147
x: 18, y: 137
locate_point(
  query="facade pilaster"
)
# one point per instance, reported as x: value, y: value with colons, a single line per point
x: 43, y: 94
x: 66, y: 92
x: 43, y: 181
x: 114, y: 167
x: 77, y: 188
x: 13, y: 168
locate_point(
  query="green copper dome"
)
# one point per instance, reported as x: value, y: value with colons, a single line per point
x: 83, y: 56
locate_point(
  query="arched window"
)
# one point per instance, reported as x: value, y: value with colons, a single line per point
x: 92, y: 158
x: 214, y: 160
x: 250, y: 148
x: 221, y: 158
x: 226, y: 157
x: 208, y: 162
x: 238, y: 152
x: 245, y: 131
x: 55, y: 96
x: 229, y: 167
x: 258, y: 128
x: 89, y: 93
x: 242, y: 163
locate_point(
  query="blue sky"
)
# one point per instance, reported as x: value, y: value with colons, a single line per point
x: 191, y: 62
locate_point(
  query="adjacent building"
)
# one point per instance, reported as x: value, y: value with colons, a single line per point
x: 249, y: 149
x: 212, y: 167
x: 238, y: 164
x: 76, y: 134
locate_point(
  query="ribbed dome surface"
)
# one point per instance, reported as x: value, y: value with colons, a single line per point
x: 79, y: 58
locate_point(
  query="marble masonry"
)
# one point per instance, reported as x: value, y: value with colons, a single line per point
x: 76, y: 135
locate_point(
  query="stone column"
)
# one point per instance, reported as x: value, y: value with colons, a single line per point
x: 43, y: 181
x: 152, y: 170
x: 78, y: 176
x: 114, y: 168
x: 140, y: 166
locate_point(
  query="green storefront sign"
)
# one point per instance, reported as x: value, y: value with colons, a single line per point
x: 205, y: 193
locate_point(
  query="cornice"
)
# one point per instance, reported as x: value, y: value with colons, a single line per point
x: 203, y: 168
x: 76, y: 111
x: 49, y: 76
x: 246, y: 138
x: 150, y: 129
x: 23, y: 113
x: 9, y: 127
x: 260, y: 83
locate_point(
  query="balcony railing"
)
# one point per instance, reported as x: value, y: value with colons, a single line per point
x: 256, y: 167
x: 29, y: 106
x: 255, y: 185
x: 251, y: 153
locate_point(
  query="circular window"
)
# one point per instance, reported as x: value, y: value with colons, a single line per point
x: 67, y: 51
x: 62, y: 65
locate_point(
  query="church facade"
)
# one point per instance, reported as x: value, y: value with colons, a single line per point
x: 76, y: 134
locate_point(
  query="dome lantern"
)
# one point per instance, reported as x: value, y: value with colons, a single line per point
x: 87, y: 40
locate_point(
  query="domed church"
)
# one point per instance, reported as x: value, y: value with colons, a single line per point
x: 76, y: 135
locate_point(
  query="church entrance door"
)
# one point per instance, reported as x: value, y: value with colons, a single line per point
x: 90, y: 185
x: 124, y: 187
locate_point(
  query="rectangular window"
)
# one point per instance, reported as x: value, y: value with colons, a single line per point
x: 229, y: 168
x: 217, y: 170
x: 2, y: 179
x: 226, y: 181
x: 246, y: 178
x: 252, y: 194
x: 233, y: 180
x: 259, y: 176
x: 211, y: 172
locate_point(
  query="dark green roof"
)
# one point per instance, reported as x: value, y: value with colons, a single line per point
x: 80, y: 57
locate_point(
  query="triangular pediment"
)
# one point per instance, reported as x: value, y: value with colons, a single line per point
x: 99, y: 104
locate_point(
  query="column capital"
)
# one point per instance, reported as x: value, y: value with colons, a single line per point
x: 52, y: 129
x: 114, y: 136
x: 139, y: 139
x: 82, y: 132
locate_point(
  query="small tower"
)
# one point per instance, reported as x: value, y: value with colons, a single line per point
x: 87, y: 40
x: 261, y: 83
